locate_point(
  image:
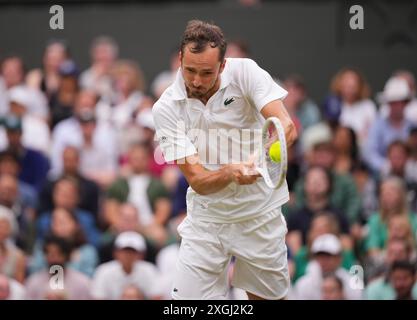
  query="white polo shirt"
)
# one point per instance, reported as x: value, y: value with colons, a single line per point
x: 225, y: 130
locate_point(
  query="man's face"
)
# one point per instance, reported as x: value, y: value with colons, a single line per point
x: 397, y: 109
x: 104, y: 54
x: 316, y: 182
x: 71, y: 160
x: 402, y: 281
x: 128, y: 219
x: 127, y: 257
x: 349, y: 86
x: 328, y: 263
x: 390, y: 196
x: 323, y: 155
x: 85, y: 100
x: 396, y: 251
x: 65, y: 195
x: 397, y: 156
x: 14, y: 137
x: 139, y: 160
x: 331, y: 290
x: 201, y: 70
x: 8, y: 190
x: 12, y: 70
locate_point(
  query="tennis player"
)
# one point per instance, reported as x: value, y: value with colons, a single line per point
x: 229, y: 213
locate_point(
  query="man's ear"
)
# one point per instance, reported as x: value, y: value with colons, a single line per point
x: 180, y: 56
x: 222, y: 66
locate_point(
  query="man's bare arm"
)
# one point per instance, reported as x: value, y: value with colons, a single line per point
x: 277, y: 109
x: 204, y: 181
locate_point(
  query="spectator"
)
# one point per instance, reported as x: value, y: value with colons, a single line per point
x: 9, y: 165
x: 332, y: 288
x: 397, y: 249
x: 62, y: 102
x: 31, y: 108
x: 12, y: 259
x: 96, y: 162
x: 10, y: 198
x: 164, y: 79
x: 346, y: 149
x: 399, y: 283
x: 354, y: 110
x: 400, y: 165
x: 104, y: 52
x: 402, y: 279
x: 88, y: 192
x: 65, y: 195
x: 34, y: 165
x: 145, y: 192
x: 83, y: 126
x: 129, y: 85
x: 327, y: 258
x: 367, y: 190
x: 393, y: 202
x: 132, y: 292
x: 317, y: 186
x: 129, y: 220
x: 322, y: 223
x: 128, y: 268
x: 298, y: 102
x: 319, y: 151
x: 76, y: 286
x: 410, y: 111
x: 10, y: 289
x: 65, y: 225
x: 13, y: 72
x: 385, y: 130
x: 48, y: 78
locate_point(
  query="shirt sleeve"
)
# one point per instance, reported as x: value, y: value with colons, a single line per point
x: 170, y: 132
x: 259, y: 85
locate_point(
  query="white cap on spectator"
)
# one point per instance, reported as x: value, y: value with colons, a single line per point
x: 33, y: 100
x: 20, y: 95
x: 145, y: 119
x: 319, y: 133
x: 327, y: 243
x: 132, y: 240
x: 396, y: 89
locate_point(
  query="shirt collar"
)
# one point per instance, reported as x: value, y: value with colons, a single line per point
x: 179, y: 91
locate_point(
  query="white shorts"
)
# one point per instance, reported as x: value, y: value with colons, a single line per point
x: 206, y: 249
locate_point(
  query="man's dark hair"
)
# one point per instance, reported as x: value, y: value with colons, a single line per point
x: 403, y: 265
x: 201, y: 34
x: 63, y: 245
x: 401, y: 144
x: 7, y: 155
x: 338, y: 281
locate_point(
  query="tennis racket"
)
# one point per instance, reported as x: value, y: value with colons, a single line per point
x: 273, y: 172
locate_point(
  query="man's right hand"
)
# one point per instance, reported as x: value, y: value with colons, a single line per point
x: 244, y: 173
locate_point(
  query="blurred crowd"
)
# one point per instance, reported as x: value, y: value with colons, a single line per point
x: 83, y: 185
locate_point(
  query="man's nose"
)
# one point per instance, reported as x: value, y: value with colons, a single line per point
x: 196, y: 81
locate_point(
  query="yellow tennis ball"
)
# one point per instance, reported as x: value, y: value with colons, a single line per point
x: 275, y: 152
